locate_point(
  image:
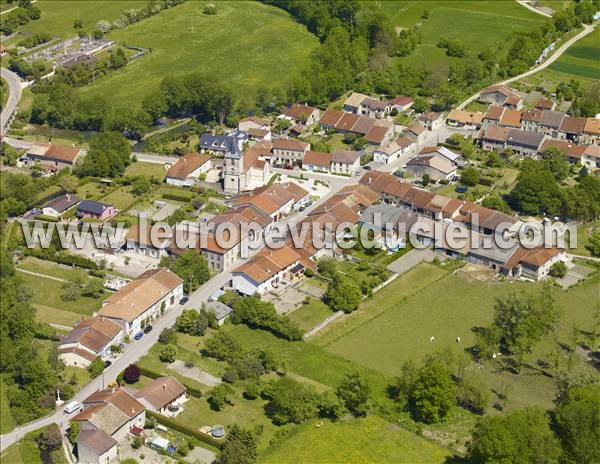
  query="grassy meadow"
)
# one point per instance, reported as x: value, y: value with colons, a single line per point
x: 247, y: 43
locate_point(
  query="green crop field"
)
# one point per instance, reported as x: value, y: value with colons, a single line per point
x: 58, y: 15
x: 248, y: 44
x: 370, y: 439
x: 476, y: 24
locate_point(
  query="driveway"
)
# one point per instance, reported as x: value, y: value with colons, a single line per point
x: 574, y: 275
x: 411, y: 259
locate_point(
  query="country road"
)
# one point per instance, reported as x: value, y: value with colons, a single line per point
x: 136, y: 349
x: 535, y: 10
x: 587, y: 29
x: 14, y: 95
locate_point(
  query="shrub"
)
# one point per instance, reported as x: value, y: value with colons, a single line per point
x: 558, y: 269
x: 230, y: 377
x: 168, y: 353
x: 131, y: 374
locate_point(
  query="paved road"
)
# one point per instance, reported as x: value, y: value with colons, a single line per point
x: 137, y: 349
x: 152, y: 158
x: 587, y: 29
x: 14, y: 95
x: 16, y: 143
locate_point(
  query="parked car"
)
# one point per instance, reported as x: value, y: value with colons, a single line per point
x: 148, y: 329
x: 184, y: 300
x: 72, y: 407
x: 461, y: 189
x: 107, y: 363
x: 138, y: 335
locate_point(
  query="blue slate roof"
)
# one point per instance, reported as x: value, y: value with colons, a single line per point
x: 91, y: 207
x: 229, y: 143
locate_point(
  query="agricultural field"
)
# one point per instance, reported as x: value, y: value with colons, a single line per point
x: 579, y: 62
x: 58, y: 15
x: 476, y: 24
x: 370, y: 439
x: 248, y: 44
x: 449, y: 307
x: 309, y: 315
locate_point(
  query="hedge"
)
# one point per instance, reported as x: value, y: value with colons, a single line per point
x: 176, y: 197
x: 180, y: 427
x: 154, y: 375
x: 61, y: 258
x: 487, y: 181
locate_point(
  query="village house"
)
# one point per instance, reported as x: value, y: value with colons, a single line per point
x: 164, y: 395
x: 493, y: 115
x: 61, y: 205
x: 374, y: 108
x: 390, y: 225
x: 533, y: 263
x: 302, y: 114
x: 138, y: 240
x: 543, y: 104
x: 223, y: 145
x: 188, y: 169
x: 345, y: 162
x: 572, y: 129
x: 444, y: 152
x: 394, y: 150
x: 289, y: 151
x: 266, y: 270
x: 89, y: 209
x: 91, y: 338
x: 143, y: 299
x: 57, y: 156
x: 524, y: 143
x: 591, y: 131
x: 108, y: 418
x: 276, y: 200
x: 247, y: 170
x: 220, y: 310
x: 375, y: 131
x: 510, y: 118
x: 493, y: 137
x: 531, y: 119
x: 432, y: 120
x: 502, y: 96
x: 416, y: 132
x: 572, y: 151
x: 466, y: 119
x: 317, y: 161
x: 591, y: 157
x: 551, y: 122
x: 436, y: 167
x: 401, y: 103
x: 253, y: 122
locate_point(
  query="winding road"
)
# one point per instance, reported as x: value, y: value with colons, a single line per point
x: 587, y: 29
x: 14, y: 95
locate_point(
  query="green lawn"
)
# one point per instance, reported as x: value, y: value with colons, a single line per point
x: 141, y: 168
x: 48, y: 292
x: 50, y: 315
x: 58, y: 15
x: 309, y: 315
x: 250, y: 43
x: 367, y: 440
x: 92, y: 190
x: 584, y: 232
x: 121, y: 198
x: 52, y: 269
x: 476, y: 24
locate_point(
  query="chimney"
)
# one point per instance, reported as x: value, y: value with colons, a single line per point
x: 164, y: 385
x: 68, y: 196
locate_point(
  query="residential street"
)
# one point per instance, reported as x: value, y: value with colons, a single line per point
x: 14, y: 95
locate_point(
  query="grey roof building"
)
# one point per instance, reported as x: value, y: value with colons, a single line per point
x: 92, y: 207
x: 63, y: 203
x: 552, y: 119
x: 378, y: 216
x: 222, y: 311
x: 520, y: 139
x: 231, y: 145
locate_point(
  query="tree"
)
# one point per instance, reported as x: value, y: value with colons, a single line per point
x: 425, y: 179
x: 71, y: 291
x: 578, y: 420
x: 495, y: 202
x: 219, y: 396
x: 433, y: 393
x: 240, y: 447
x: 524, y: 318
x: 50, y: 439
x: 256, y: 313
x: 108, y: 156
x: 93, y: 289
x: 222, y: 347
x: 96, y: 367
x: 291, y: 401
x: 556, y: 162
x: 469, y: 176
x: 354, y: 392
x: 521, y: 436
x: 474, y: 393
x: 191, y: 267
x: 343, y: 295
x: 593, y: 245
x: 536, y: 191
x: 68, y: 183
x: 168, y: 353
x: 168, y: 336
x: 192, y: 322
x: 141, y: 185
x: 73, y: 432
x: 131, y: 374
x: 117, y: 59
x: 558, y: 269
